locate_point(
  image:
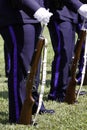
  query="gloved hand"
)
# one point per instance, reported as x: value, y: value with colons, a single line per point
x: 83, y: 10
x: 43, y: 15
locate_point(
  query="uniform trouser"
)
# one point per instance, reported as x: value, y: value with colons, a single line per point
x: 21, y: 41
x: 63, y: 39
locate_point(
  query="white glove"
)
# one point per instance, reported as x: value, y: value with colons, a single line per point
x: 83, y: 10
x: 43, y: 15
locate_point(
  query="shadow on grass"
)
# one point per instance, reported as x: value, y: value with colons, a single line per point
x: 4, y: 94
x: 47, y: 83
x: 48, y: 72
x: 3, y: 118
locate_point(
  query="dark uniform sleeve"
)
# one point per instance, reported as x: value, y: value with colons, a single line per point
x: 58, y: 4
x: 73, y: 4
x: 26, y: 5
x: 32, y: 4
x: 84, y: 1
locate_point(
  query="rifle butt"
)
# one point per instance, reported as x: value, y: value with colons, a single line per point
x: 26, y: 112
x: 70, y: 97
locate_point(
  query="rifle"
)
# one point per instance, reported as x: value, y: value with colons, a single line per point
x: 70, y: 97
x: 26, y: 111
x: 84, y: 67
x: 43, y: 79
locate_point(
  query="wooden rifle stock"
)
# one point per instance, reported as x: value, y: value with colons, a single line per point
x: 70, y: 97
x: 26, y: 112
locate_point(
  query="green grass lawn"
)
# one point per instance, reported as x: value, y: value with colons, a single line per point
x: 66, y: 117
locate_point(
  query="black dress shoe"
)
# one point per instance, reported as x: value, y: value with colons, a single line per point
x: 82, y: 93
x: 52, y: 97
x: 46, y: 111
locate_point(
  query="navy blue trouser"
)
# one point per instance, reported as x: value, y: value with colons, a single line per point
x: 21, y: 41
x: 63, y: 39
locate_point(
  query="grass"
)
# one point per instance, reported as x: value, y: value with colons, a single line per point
x: 66, y: 117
